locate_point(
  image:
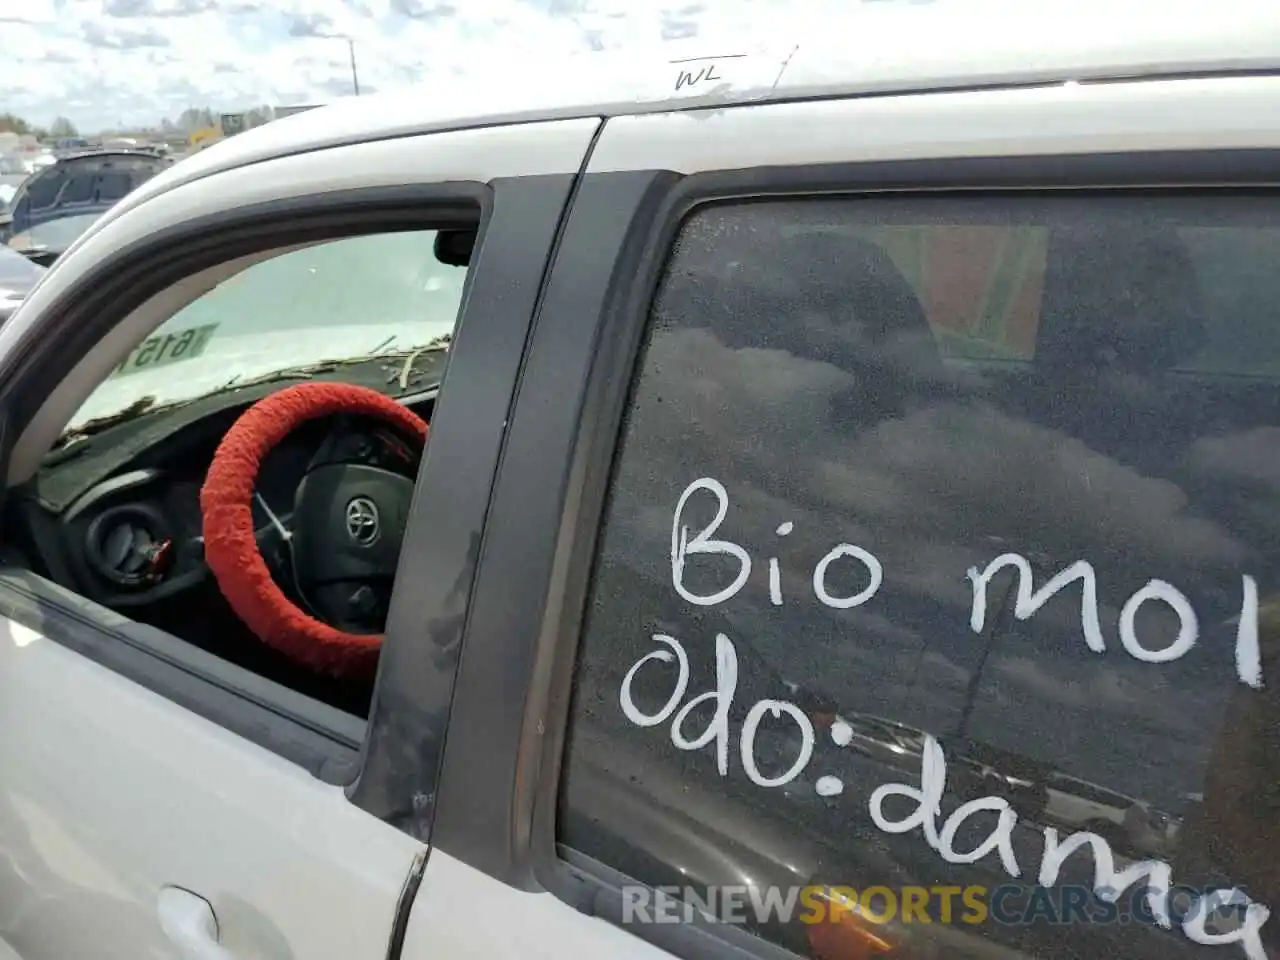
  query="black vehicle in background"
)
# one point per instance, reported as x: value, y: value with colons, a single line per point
x: 58, y: 203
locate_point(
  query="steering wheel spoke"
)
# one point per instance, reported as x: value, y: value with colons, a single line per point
x: 272, y: 533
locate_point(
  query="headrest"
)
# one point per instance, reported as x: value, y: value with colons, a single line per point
x: 815, y: 293
x: 1120, y: 296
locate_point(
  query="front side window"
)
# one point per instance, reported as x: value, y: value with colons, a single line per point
x: 942, y: 531
x: 242, y: 479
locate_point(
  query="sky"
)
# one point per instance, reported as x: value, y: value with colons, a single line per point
x: 111, y: 63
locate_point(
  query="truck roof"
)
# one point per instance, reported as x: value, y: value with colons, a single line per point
x: 880, y: 48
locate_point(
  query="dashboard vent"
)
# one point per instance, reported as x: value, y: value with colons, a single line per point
x: 123, y: 545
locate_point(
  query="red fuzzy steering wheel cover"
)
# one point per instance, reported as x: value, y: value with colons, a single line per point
x: 231, y: 549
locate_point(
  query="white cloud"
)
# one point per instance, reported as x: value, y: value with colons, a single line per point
x: 103, y: 63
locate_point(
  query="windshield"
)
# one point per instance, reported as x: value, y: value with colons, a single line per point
x: 54, y: 235
x: 348, y: 298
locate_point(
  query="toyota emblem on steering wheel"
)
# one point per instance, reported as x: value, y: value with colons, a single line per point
x: 362, y: 522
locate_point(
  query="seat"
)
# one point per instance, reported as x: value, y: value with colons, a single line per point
x: 832, y: 296
x: 1118, y: 297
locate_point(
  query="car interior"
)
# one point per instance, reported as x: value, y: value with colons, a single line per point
x: 261, y: 523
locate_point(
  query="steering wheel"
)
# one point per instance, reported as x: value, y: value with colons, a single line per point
x: 349, y: 515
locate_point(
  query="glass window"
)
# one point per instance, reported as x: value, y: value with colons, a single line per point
x: 329, y: 501
x: 960, y: 517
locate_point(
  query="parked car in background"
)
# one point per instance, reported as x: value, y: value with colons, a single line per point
x: 17, y: 276
x: 53, y: 206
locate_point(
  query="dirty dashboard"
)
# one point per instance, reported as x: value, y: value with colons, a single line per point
x: 115, y: 515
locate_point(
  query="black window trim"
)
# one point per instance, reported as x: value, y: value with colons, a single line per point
x: 329, y: 743
x: 413, y: 697
x: 549, y: 496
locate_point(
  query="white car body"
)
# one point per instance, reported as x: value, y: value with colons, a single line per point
x: 133, y: 826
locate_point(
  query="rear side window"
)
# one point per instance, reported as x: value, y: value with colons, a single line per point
x: 43, y: 191
x: 77, y: 190
x: 935, y: 609
x: 114, y: 185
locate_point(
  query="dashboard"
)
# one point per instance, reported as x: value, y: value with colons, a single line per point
x: 133, y: 538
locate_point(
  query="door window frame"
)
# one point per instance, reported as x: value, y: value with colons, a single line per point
x: 517, y: 219
x: 501, y: 775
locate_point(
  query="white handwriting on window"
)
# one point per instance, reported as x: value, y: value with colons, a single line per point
x: 1028, y: 600
x: 717, y: 729
x: 734, y: 571
x: 682, y: 547
x: 736, y: 563
x: 1108, y: 883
